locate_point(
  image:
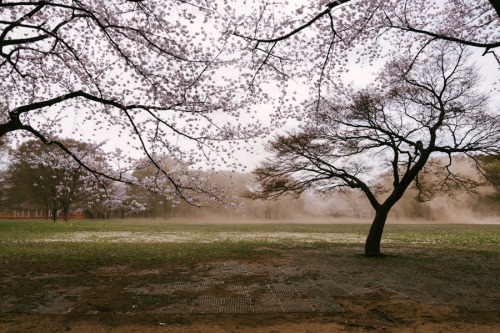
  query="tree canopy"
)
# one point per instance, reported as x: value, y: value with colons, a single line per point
x: 47, y: 178
x: 139, y: 72
x: 325, y: 33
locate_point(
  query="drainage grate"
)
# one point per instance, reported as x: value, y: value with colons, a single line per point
x: 284, y: 290
x: 270, y: 290
x: 50, y: 303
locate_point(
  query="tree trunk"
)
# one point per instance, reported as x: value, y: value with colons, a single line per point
x: 54, y: 212
x: 66, y: 213
x: 65, y: 207
x: 372, y: 245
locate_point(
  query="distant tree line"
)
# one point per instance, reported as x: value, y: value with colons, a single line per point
x: 41, y: 178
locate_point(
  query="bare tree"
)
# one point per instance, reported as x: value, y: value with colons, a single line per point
x: 420, y: 108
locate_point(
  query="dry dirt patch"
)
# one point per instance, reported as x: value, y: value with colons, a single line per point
x: 299, y: 291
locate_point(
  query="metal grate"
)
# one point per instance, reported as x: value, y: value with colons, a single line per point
x: 282, y: 290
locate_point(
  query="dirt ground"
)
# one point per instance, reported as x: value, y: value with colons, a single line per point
x: 301, y: 291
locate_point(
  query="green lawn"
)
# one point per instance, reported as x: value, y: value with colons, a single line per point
x: 99, y: 242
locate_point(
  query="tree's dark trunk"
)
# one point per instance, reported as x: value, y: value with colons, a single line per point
x: 66, y: 213
x: 65, y: 208
x: 54, y: 211
x: 372, y: 245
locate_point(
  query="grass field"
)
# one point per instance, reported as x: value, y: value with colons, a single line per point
x: 104, y: 241
x: 432, y: 276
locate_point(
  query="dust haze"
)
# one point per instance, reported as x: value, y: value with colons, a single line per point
x: 446, y: 202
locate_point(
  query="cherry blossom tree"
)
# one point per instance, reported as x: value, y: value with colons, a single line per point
x: 118, y: 199
x: 318, y: 42
x: 47, y: 176
x: 146, y: 173
x: 150, y: 201
x: 421, y: 111
x: 183, y: 79
x: 144, y: 73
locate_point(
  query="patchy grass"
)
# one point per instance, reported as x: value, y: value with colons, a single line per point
x: 125, y: 272
x: 98, y: 242
x: 102, y: 253
x: 474, y: 237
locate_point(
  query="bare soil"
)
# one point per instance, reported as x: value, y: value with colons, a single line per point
x: 307, y: 290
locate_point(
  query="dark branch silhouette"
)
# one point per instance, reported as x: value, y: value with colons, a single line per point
x: 392, y: 130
